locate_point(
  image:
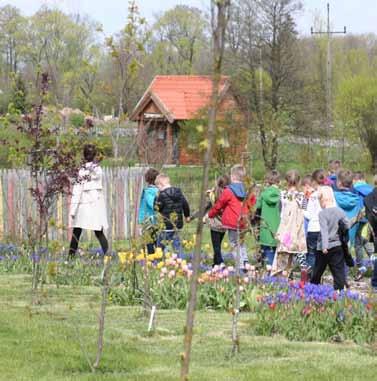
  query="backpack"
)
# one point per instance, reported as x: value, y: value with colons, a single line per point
x: 343, y: 232
x: 370, y: 203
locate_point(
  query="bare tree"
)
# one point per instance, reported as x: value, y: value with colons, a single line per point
x: 126, y: 51
x: 264, y: 40
x: 219, y: 19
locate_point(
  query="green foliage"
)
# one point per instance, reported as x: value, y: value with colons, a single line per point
x: 96, y: 78
x: 181, y: 34
x: 357, y: 109
x: 77, y: 120
x: 18, y: 97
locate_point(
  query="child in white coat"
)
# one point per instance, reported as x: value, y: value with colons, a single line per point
x: 88, y: 210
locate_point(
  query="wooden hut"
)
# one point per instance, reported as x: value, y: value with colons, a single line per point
x: 170, y: 111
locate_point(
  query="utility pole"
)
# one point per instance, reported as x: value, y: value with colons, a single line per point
x: 261, y: 77
x: 329, y: 34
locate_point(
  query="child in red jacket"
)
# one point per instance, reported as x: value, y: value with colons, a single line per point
x: 235, y: 210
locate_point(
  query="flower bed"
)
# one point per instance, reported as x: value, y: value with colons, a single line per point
x: 310, y: 312
x: 295, y: 310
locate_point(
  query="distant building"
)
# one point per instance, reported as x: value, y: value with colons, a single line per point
x: 170, y: 111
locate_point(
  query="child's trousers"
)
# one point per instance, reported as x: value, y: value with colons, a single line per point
x: 374, y: 276
x: 335, y: 260
x: 311, y: 243
x: 362, y: 244
x: 217, y: 238
x: 268, y: 253
x: 170, y: 237
x: 237, y: 241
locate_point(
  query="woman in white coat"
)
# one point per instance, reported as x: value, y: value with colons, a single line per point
x: 88, y: 210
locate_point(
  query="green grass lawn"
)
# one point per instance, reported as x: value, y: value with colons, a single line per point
x: 43, y: 343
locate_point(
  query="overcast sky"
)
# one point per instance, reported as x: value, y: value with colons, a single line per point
x: 360, y: 16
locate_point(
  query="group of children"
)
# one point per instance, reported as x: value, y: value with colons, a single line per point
x: 228, y: 211
x: 316, y: 221
x: 312, y: 222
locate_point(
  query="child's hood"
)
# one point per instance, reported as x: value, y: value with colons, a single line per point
x: 150, y: 190
x: 271, y: 196
x: 363, y: 188
x: 173, y: 193
x: 347, y: 200
x: 238, y: 190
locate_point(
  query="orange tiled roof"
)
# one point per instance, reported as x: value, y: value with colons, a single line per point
x: 181, y: 95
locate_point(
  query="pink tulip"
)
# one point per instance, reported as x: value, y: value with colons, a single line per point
x: 171, y: 274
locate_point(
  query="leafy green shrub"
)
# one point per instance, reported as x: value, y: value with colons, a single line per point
x: 77, y: 120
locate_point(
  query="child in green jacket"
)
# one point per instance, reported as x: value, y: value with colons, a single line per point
x: 268, y: 206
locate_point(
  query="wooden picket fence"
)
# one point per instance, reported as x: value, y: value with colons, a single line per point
x: 122, y: 189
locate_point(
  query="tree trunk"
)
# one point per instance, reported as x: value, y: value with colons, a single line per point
x: 373, y: 154
x: 274, y: 151
x: 105, y: 284
x: 219, y: 10
x: 260, y: 120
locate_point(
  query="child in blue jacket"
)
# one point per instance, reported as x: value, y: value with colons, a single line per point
x: 348, y: 200
x: 146, y: 209
x: 363, y: 189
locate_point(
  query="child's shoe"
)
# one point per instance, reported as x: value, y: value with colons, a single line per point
x: 245, y: 267
x: 360, y: 274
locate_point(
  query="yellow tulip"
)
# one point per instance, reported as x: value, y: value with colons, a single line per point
x: 158, y: 254
x: 140, y: 257
x: 122, y: 257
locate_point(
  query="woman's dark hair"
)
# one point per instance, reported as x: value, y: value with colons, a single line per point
x: 90, y: 152
x: 319, y: 176
x: 221, y: 183
x: 150, y: 176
